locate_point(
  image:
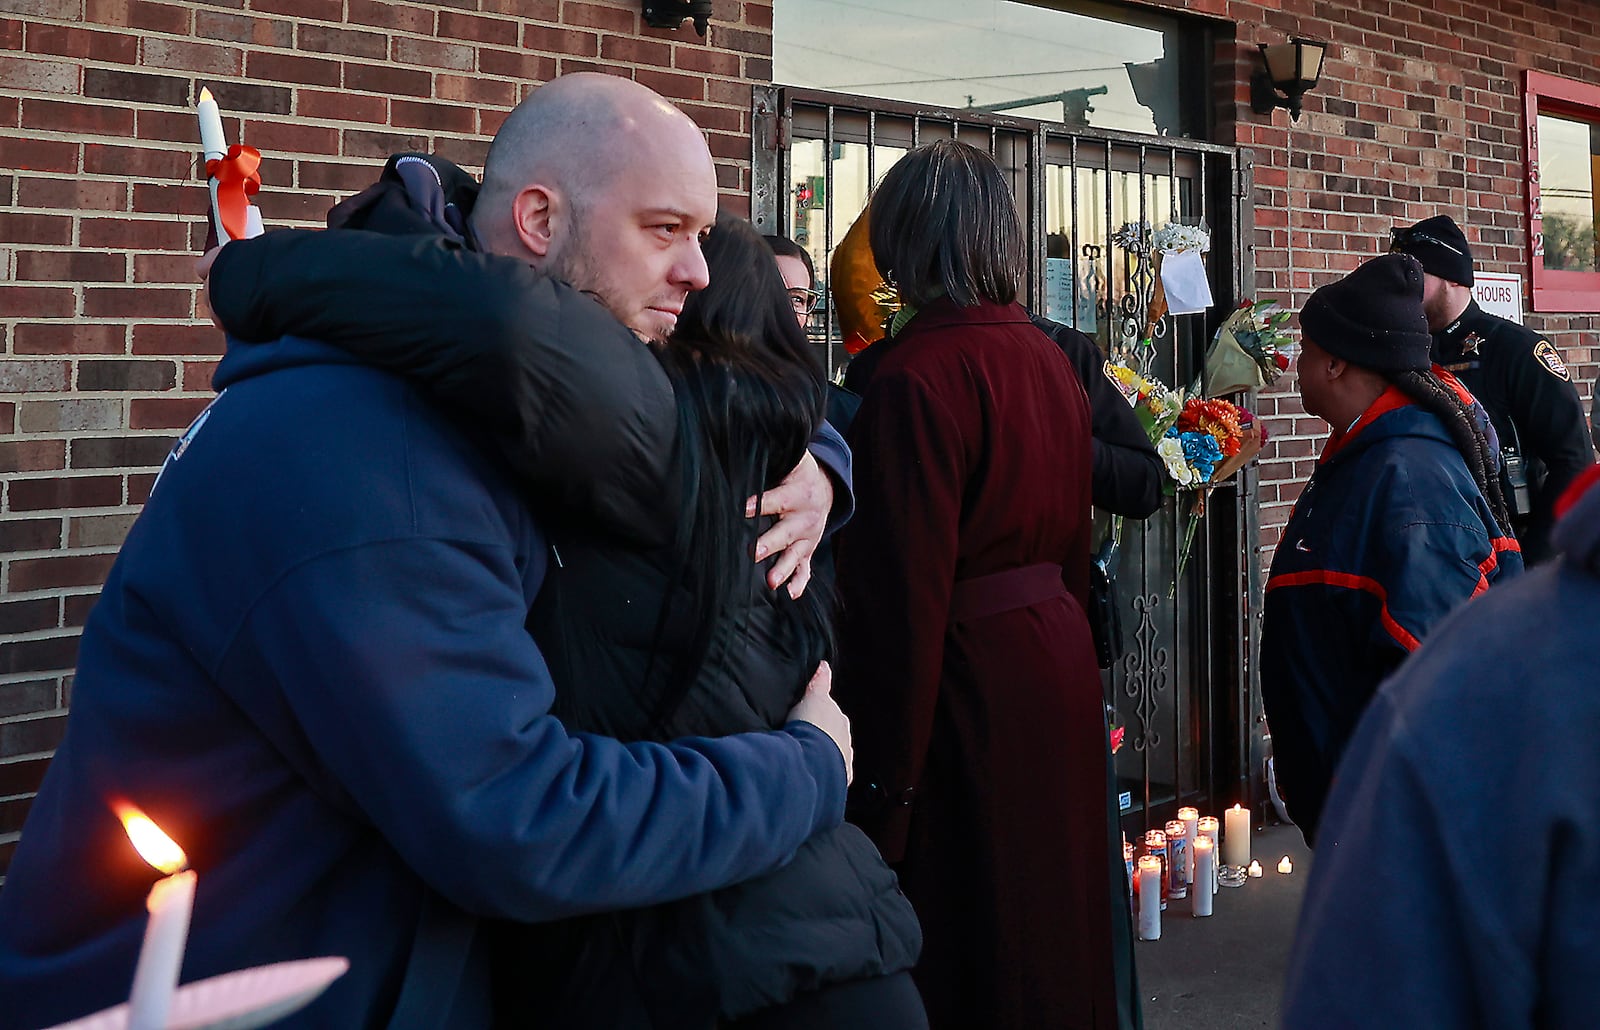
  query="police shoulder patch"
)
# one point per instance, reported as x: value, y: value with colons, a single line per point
x: 1545, y: 352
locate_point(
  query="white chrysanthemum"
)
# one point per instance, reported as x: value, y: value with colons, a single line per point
x: 1176, y: 238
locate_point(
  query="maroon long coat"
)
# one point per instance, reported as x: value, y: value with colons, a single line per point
x: 985, y: 733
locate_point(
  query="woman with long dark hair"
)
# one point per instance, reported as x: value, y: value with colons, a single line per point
x: 966, y: 661
x: 671, y: 641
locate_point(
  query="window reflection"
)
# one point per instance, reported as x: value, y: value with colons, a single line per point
x: 1567, y: 161
x: 1083, y: 288
x: 986, y: 55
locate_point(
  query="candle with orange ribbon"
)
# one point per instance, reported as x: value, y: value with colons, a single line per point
x: 155, y: 978
x: 234, y: 174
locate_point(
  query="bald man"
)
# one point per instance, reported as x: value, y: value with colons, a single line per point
x: 308, y: 664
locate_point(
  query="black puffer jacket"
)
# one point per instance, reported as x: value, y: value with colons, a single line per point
x: 834, y: 913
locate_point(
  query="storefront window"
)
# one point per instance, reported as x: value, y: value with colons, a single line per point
x: 1095, y: 65
x: 1566, y: 184
x: 1563, y: 167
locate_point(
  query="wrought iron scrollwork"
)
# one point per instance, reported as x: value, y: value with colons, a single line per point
x: 1130, y: 343
x: 1145, y: 670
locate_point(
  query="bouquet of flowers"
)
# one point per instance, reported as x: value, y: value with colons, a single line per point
x: 1251, y: 348
x: 1155, y: 406
x: 1210, y: 440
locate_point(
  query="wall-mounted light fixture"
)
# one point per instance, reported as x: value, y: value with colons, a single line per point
x: 669, y: 14
x: 1289, y: 70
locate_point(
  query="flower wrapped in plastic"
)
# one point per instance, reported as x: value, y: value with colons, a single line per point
x: 1181, y: 284
x: 1216, y: 439
x: 1250, y: 350
x: 1155, y: 406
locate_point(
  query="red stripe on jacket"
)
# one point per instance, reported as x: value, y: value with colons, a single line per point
x: 1324, y: 577
x: 1488, y: 565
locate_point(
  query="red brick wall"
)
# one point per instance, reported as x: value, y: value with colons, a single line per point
x: 105, y: 359
x: 1419, y: 112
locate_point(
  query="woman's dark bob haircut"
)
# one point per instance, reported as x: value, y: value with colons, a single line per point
x: 943, y: 222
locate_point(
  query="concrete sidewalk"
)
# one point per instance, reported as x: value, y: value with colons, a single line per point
x: 1226, y: 972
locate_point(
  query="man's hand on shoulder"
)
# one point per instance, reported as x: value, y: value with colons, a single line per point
x: 820, y: 709
x: 801, y: 503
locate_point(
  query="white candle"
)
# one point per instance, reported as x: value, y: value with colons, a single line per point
x: 1149, y: 898
x: 1255, y: 868
x: 1190, y: 817
x: 1210, y: 828
x: 212, y: 140
x: 1236, y: 839
x: 155, y: 978
x: 1205, y: 871
x: 1285, y: 866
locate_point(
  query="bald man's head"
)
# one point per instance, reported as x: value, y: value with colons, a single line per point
x: 601, y: 182
x: 574, y: 134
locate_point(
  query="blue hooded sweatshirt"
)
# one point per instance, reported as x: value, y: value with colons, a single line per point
x: 1454, y: 883
x: 309, y: 666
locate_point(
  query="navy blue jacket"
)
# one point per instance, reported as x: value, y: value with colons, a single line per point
x: 1461, y: 846
x: 1390, y: 534
x: 309, y: 666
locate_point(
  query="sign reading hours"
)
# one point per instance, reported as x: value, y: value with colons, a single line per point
x: 1499, y: 294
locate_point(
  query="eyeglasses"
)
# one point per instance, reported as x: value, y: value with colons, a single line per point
x: 1399, y: 238
x: 803, y: 301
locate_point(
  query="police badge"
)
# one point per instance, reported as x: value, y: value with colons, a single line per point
x: 1545, y: 352
x: 1470, y: 345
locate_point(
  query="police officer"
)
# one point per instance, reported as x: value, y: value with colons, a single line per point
x: 1515, y: 374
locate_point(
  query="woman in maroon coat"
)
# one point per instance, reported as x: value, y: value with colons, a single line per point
x: 967, y: 666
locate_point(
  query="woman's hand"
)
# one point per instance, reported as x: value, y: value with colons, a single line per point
x: 820, y: 709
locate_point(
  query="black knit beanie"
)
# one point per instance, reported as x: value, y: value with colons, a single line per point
x: 1440, y: 245
x: 1373, y: 316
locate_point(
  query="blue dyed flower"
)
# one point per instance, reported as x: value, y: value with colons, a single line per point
x: 1202, y: 452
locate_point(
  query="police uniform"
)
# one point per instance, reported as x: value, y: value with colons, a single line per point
x: 1519, y: 378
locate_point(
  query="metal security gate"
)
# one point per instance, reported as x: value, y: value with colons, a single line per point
x: 1185, y: 688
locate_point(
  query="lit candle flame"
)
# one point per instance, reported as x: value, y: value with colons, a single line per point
x: 205, y: 94
x: 153, y: 846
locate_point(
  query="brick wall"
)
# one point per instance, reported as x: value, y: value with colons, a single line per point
x: 1419, y: 112
x: 105, y: 360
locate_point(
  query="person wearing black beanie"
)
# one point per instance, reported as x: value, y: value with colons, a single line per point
x: 1515, y: 373
x: 1373, y: 317
x: 1401, y: 521
x: 1440, y: 245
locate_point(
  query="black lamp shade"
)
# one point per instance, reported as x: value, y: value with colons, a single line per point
x: 1291, y: 69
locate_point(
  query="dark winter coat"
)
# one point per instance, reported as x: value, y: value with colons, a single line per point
x: 1390, y: 535
x: 975, y: 703
x: 1127, y: 475
x: 1530, y: 397
x: 1461, y: 848
x: 309, y: 665
x: 835, y: 912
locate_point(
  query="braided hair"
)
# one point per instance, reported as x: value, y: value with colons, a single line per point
x: 1431, y: 394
